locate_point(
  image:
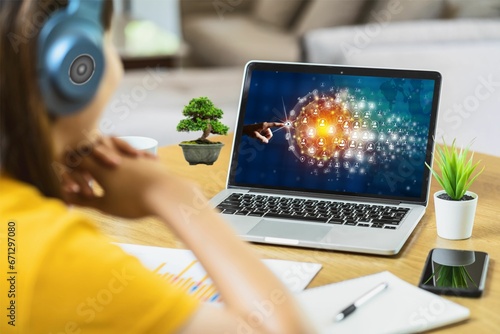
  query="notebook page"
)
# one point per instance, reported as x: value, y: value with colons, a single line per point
x: 401, y: 308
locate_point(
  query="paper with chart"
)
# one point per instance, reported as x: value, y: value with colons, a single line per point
x: 181, y: 268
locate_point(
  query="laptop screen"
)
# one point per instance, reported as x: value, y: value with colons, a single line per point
x: 336, y: 130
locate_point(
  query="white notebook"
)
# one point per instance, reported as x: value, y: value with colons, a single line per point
x: 401, y: 308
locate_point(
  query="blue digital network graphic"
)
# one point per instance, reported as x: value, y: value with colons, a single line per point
x: 337, y: 132
x: 345, y: 134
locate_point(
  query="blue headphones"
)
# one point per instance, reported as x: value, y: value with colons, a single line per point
x: 70, y: 56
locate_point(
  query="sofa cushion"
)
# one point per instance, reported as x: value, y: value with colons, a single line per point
x: 403, y: 10
x: 236, y: 40
x: 328, y: 13
x: 337, y: 45
x: 476, y: 8
x: 278, y: 13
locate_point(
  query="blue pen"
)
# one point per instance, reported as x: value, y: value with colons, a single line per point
x: 361, y: 300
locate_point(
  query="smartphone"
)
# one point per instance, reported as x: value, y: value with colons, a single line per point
x: 455, y: 272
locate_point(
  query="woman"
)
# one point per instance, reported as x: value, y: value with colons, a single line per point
x: 62, y: 264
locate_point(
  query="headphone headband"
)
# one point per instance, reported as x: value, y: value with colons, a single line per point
x: 89, y: 9
x: 70, y: 58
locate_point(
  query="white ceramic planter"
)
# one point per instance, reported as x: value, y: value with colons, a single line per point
x: 455, y: 219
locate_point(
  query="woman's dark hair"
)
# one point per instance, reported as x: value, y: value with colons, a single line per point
x: 26, y: 142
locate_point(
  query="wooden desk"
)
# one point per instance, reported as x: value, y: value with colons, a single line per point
x: 339, y: 266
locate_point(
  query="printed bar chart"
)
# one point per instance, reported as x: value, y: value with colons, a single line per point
x: 203, y: 289
x: 182, y: 269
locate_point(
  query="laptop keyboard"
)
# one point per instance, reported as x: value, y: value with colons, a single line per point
x: 318, y: 211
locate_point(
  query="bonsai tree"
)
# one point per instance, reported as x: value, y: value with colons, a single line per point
x: 456, y: 170
x: 202, y: 115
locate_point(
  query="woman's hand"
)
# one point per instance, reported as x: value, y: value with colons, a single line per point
x: 107, y: 151
x: 127, y: 185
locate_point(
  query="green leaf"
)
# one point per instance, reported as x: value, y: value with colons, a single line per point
x: 456, y: 169
x: 474, y: 178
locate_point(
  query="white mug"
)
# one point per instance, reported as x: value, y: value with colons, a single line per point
x: 145, y: 144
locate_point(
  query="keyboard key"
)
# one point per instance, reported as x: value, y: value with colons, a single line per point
x: 242, y: 213
x: 255, y: 214
x: 296, y: 217
x: 385, y: 221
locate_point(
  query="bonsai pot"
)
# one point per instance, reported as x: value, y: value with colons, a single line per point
x: 455, y: 219
x: 201, y: 153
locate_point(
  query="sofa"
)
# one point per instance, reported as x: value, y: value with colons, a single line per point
x: 231, y: 32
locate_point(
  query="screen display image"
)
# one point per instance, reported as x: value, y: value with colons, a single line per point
x: 337, y: 133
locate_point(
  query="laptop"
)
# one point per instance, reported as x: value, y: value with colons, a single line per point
x: 345, y: 167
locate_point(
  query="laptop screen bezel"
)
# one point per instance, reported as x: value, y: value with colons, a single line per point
x: 336, y: 70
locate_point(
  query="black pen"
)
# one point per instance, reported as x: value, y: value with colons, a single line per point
x: 361, y: 300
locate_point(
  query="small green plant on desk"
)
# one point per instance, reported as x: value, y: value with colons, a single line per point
x: 455, y: 206
x: 202, y: 115
x: 456, y: 171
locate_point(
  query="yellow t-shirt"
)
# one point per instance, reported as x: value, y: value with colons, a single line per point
x: 59, y: 274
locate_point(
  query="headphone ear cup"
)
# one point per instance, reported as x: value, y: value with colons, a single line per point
x: 71, y: 63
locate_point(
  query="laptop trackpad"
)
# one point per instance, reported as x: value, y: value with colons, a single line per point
x: 294, y: 231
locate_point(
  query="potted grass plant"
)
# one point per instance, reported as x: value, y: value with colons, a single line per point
x: 202, y: 115
x: 455, y: 205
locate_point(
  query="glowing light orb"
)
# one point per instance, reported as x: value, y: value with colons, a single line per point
x: 337, y: 132
x: 320, y: 126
